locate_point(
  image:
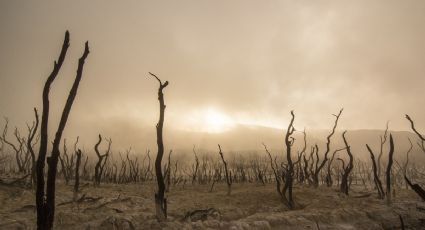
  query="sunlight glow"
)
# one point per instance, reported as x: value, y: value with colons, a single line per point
x: 209, y: 119
x: 213, y: 120
x: 216, y: 121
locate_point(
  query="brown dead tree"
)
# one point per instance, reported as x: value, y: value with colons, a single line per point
x: 406, y: 163
x: 65, y: 163
x: 195, y: 167
x: 77, y: 170
x: 417, y: 188
x: 383, y: 140
x: 45, y: 199
x: 389, y: 166
x: 346, y: 170
x: 289, y: 174
x: 21, y: 158
x: 421, y: 137
x: 228, y: 177
x: 160, y: 200
x: 168, y: 172
x: 378, y: 184
x: 328, y: 178
x: 277, y: 176
x: 102, y: 158
x: 318, y: 168
x: 31, y: 134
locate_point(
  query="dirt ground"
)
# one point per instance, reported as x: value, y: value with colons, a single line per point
x: 250, y: 206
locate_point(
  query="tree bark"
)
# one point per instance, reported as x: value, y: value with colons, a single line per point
x: 377, y: 181
x: 160, y: 201
x: 347, y: 170
x: 45, y: 200
x: 389, y: 166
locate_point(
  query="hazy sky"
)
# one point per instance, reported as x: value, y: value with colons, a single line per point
x: 227, y: 62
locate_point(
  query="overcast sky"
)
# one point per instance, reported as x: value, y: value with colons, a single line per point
x: 245, y: 62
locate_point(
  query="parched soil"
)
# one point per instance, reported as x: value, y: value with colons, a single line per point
x: 250, y: 206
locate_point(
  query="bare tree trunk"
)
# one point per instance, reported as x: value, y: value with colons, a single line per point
x: 228, y: 177
x: 45, y: 201
x: 383, y: 140
x: 325, y: 158
x: 168, y: 172
x: 377, y: 181
x: 160, y: 201
x: 347, y: 170
x: 417, y: 188
x: 77, y: 171
x: 420, y: 136
x: 18, y: 149
x: 289, y: 175
x: 390, y: 164
x: 195, y: 171
x: 275, y: 172
x: 102, y: 158
x: 31, y: 133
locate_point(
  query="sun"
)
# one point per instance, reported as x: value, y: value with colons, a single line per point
x: 207, y: 119
x: 216, y: 121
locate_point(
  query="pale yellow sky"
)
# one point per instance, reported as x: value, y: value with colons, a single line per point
x: 228, y: 62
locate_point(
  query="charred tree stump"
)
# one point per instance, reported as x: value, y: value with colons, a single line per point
x: 45, y: 199
x: 160, y: 200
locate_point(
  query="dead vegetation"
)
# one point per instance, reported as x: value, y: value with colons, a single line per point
x: 117, y: 192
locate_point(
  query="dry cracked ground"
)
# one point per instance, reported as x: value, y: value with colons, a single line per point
x: 250, y: 206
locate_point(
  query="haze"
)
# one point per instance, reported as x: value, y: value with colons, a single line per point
x: 228, y: 63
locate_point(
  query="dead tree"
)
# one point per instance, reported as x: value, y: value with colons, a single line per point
x: 389, y: 166
x: 407, y: 159
x: 420, y: 136
x: 317, y: 170
x: 160, y: 200
x: 168, y: 172
x: 377, y: 181
x: 45, y: 200
x: 17, y: 148
x: 66, y: 168
x: 228, y: 177
x: 329, y: 181
x: 31, y: 134
x: 77, y: 170
x: 148, y: 168
x: 102, y: 158
x: 383, y: 140
x: 289, y: 174
x: 195, y: 167
x: 85, y: 173
x: 417, y: 188
x: 133, y: 166
x: 298, y: 163
x: 346, y: 170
